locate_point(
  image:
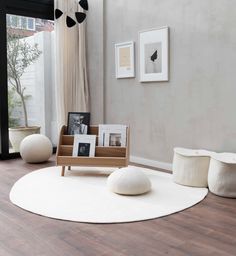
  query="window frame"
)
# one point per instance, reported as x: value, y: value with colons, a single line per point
x: 43, y: 9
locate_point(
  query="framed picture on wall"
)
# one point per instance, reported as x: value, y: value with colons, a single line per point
x: 154, y: 55
x: 124, y: 57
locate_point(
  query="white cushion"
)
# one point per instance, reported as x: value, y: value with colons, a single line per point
x: 36, y: 148
x: 190, y: 167
x: 128, y: 181
x: 222, y: 175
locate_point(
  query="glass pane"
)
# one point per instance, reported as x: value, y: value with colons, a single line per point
x: 14, y: 21
x: 24, y: 23
x: 31, y: 23
x: 8, y: 21
x: 31, y: 90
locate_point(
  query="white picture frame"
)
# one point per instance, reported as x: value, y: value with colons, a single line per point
x: 84, y: 145
x: 124, y: 58
x: 154, y: 55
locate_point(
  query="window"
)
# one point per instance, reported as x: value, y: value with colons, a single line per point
x: 24, y: 23
x: 8, y: 21
x: 19, y: 22
x: 14, y: 22
x: 30, y: 24
x: 30, y: 79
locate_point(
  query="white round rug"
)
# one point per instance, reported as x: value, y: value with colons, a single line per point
x: 82, y: 196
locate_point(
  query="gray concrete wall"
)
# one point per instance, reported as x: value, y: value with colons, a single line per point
x: 196, y: 108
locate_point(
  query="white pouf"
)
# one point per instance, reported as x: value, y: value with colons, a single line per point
x: 36, y: 148
x: 128, y: 181
x: 190, y: 167
x: 222, y: 175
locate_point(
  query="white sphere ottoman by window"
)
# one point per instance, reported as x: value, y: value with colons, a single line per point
x: 36, y: 148
x: 190, y: 167
x: 128, y: 181
x: 222, y: 175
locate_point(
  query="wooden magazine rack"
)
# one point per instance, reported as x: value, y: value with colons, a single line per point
x: 104, y: 156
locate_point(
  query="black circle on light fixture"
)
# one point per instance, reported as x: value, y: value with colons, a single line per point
x: 84, y: 4
x: 70, y: 22
x: 58, y: 13
x: 80, y: 16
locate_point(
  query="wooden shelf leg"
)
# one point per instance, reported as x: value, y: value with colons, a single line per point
x: 69, y: 168
x: 63, y: 171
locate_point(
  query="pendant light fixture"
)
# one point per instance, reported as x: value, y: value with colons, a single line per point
x: 70, y: 22
x: 80, y: 16
x: 58, y: 13
x: 84, y: 4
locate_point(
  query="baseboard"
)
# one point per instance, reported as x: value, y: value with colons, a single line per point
x: 152, y: 163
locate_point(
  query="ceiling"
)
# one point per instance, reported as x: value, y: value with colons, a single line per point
x: 34, y: 8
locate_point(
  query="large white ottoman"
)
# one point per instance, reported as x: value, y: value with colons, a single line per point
x: 190, y: 167
x: 36, y: 148
x: 222, y: 175
x: 128, y: 181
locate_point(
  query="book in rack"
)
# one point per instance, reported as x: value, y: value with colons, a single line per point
x: 104, y: 156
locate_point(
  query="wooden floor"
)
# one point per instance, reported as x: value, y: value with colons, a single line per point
x: 208, y: 228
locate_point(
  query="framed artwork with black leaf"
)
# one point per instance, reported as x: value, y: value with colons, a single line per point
x: 154, y: 55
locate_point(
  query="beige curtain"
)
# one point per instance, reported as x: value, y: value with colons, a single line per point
x: 70, y: 70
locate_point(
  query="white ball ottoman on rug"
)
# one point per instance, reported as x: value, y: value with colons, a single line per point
x: 222, y: 175
x: 36, y: 148
x: 128, y: 181
x: 190, y: 167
